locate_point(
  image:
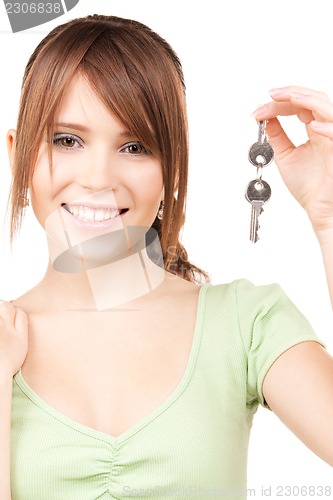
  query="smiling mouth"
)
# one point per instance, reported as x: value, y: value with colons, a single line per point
x: 93, y: 214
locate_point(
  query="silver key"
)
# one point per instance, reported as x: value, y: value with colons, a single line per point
x: 258, y: 192
x: 261, y: 152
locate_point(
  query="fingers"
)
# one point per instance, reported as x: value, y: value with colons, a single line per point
x: 21, y: 320
x: 279, y: 140
x: 13, y: 315
x: 7, y: 311
x: 320, y: 107
x: 323, y: 128
x: 305, y: 103
x: 273, y: 109
x: 296, y: 89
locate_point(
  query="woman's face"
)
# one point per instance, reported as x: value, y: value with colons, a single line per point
x: 102, y: 178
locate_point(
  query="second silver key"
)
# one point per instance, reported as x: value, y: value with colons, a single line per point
x: 258, y: 192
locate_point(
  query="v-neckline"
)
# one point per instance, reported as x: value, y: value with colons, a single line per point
x: 115, y: 440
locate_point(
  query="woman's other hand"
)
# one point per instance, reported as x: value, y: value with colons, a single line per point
x: 13, y: 338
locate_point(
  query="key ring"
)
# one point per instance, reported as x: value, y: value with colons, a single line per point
x: 262, y: 136
x: 259, y: 172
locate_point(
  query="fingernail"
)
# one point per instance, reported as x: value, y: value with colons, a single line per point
x: 277, y: 91
x: 261, y: 110
x: 316, y: 124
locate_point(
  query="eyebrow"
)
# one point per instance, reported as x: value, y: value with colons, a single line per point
x: 82, y: 128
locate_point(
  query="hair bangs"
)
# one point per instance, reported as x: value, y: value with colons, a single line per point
x: 128, y: 84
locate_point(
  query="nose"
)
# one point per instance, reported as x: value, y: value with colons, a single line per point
x: 99, y: 171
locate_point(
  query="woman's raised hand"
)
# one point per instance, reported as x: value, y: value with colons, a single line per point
x: 307, y: 170
x: 13, y: 338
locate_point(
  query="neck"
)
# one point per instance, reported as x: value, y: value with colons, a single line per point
x: 87, y: 282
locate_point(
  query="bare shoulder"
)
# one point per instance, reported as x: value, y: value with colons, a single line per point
x: 174, y: 298
x: 178, y: 289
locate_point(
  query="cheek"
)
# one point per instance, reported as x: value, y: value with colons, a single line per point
x: 39, y: 190
x: 148, y: 183
x: 43, y: 189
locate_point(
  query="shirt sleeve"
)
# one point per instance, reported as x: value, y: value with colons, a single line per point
x: 269, y: 324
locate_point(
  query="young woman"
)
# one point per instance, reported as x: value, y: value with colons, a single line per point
x: 124, y: 373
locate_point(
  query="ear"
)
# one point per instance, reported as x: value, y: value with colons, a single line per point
x: 10, y: 137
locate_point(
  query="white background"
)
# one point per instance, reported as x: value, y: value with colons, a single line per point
x: 232, y: 53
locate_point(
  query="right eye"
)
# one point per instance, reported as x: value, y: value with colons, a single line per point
x: 67, y: 141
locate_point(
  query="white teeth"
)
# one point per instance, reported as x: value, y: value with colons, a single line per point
x: 75, y: 211
x: 90, y: 214
x: 99, y: 215
x: 111, y: 213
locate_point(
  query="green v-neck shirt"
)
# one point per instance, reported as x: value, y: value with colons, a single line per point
x: 194, y: 444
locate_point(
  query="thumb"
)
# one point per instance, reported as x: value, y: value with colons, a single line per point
x: 21, y: 320
x: 279, y: 140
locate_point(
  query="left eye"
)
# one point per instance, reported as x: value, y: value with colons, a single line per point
x: 66, y: 141
x: 135, y: 149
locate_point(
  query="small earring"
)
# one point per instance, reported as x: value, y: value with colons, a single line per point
x: 160, y: 212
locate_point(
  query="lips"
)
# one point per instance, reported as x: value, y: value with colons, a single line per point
x: 93, y: 217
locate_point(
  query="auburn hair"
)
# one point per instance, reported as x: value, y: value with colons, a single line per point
x: 139, y: 78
